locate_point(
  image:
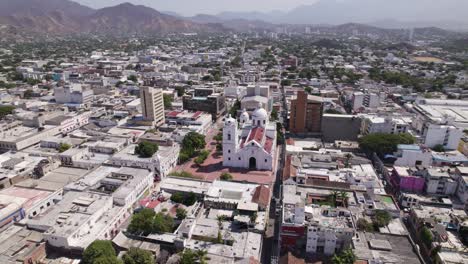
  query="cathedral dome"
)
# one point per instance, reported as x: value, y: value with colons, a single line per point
x: 260, y: 114
x: 244, y: 117
x: 260, y: 117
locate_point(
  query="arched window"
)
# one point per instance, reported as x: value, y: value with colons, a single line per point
x: 229, y: 136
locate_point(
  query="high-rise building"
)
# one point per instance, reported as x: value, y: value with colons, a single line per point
x: 306, y: 114
x: 152, y: 105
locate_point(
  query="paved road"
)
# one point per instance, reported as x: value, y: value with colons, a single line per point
x: 271, y: 243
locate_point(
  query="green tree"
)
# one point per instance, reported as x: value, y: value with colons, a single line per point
x: 235, y: 107
x: 382, y: 218
x: 146, y: 149
x: 308, y: 90
x: 163, y: 223
x: 107, y: 260
x: 438, y: 148
x: 167, y: 101
x: 99, y: 249
x: 364, y: 225
x: 187, y: 199
x: 142, y: 222
x: 180, y: 90
x: 274, y: 115
x: 384, y: 143
x: 426, y: 237
x: 345, y: 257
x: 226, y: 176
x: 138, y: 256
x: 181, y: 213
x: 285, y: 82
x: 63, y: 147
x: 6, y: 110
x: 28, y: 94
x: 188, y: 256
x: 133, y: 78
x: 202, y: 157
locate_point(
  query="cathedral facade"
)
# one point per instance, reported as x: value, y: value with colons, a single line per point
x: 251, y: 143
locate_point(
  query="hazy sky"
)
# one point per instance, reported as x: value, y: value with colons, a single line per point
x: 191, y: 7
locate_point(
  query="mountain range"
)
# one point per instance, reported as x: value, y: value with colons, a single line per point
x: 67, y: 17
x: 64, y: 16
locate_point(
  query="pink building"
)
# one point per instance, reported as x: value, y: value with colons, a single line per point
x: 407, y: 179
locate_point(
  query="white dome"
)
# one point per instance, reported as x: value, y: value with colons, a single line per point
x: 244, y: 117
x: 260, y: 114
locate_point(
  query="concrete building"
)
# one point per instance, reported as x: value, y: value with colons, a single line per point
x: 365, y: 100
x: 152, y: 105
x: 306, y: 114
x: 462, y: 189
x: 257, y: 94
x: 161, y: 163
x: 330, y: 230
x: 340, y: 127
x: 73, y: 93
x: 205, y: 100
x: 439, y: 182
x: 387, y: 125
x: 413, y: 155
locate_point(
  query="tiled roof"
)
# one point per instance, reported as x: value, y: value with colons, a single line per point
x: 261, y: 195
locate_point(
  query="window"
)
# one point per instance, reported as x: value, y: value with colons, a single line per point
x: 266, y: 160
x: 239, y: 158
x: 229, y: 151
x: 229, y: 136
x: 229, y: 158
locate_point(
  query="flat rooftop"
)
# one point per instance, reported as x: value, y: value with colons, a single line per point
x: 385, y: 248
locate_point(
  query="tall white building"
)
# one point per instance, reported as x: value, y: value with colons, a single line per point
x: 330, y: 230
x: 152, y: 105
x: 253, y: 144
x: 387, y: 125
x: 73, y: 93
x: 365, y: 100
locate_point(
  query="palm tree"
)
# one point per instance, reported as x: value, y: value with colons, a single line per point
x: 202, y: 256
x: 333, y: 197
x: 348, y: 157
x: 344, y: 198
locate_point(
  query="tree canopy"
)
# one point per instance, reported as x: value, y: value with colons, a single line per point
x: 146, y: 149
x: 345, y: 257
x: 167, y: 101
x: 138, y: 256
x: 100, y: 251
x: 383, y: 144
x: 6, y: 110
x: 147, y: 222
x: 382, y: 218
x: 186, y: 199
x: 191, y: 143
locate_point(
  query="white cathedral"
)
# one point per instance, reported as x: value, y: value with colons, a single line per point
x: 252, y: 143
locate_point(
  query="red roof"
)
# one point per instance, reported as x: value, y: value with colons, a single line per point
x: 261, y: 196
x: 256, y: 134
x: 173, y: 114
x: 147, y: 203
x: 268, y: 145
x: 197, y: 114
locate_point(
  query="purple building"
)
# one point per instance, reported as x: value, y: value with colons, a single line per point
x: 407, y: 180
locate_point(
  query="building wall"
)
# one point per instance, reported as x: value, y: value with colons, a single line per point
x: 152, y: 105
x: 340, y: 127
x: 410, y: 158
x: 306, y: 115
